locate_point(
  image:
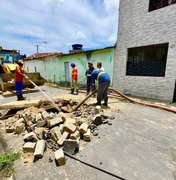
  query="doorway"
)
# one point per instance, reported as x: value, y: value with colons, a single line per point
x: 67, y: 73
x: 174, y: 98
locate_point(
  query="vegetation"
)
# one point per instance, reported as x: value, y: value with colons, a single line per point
x: 6, y: 163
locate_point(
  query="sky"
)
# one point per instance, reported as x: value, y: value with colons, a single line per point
x: 54, y: 25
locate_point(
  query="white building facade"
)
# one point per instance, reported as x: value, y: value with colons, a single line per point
x: 145, y: 57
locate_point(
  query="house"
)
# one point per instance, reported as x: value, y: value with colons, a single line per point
x: 145, y: 64
x: 55, y: 67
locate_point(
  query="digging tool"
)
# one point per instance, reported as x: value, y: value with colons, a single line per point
x: 84, y: 100
x: 48, y: 98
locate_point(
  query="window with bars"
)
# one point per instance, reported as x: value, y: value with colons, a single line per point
x: 147, y: 60
x: 157, y: 4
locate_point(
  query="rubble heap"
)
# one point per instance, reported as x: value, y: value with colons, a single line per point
x: 61, y: 132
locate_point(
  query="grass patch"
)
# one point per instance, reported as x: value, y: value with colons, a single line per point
x: 6, y: 162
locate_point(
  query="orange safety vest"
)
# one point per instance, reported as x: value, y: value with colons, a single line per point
x: 74, y: 73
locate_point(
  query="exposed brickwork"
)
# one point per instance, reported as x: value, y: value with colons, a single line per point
x: 138, y: 27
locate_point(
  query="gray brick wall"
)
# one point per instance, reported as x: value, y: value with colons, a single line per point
x: 138, y: 27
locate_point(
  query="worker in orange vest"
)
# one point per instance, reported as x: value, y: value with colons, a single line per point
x: 74, y: 79
x: 19, y: 76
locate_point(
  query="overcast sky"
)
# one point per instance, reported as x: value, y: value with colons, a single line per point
x: 55, y: 25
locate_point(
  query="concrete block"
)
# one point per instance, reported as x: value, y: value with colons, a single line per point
x: 29, y: 147
x: 54, y: 122
x: 63, y: 138
x: 71, y: 146
x: 75, y: 135
x: 55, y: 133
x: 97, y: 109
x: 71, y: 120
x: 39, y: 131
x: 30, y: 137
x: 87, y: 136
x: 83, y: 128
x: 60, y: 157
x: 61, y: 128
x: 69, y: 127
x: 39, y: 149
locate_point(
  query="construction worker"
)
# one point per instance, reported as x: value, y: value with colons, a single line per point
x: 90, y: 83
x: 99, y: 66
x: 74, y: 79
x: 19, y: 75
x: 103, y: 80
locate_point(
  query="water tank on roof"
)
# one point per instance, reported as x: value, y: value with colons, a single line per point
x: 77, y: 46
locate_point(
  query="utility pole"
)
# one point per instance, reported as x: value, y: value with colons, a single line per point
x: 45, y: 45
x: 37, y: 48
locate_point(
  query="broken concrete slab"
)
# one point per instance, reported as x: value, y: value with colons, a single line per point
x: 39, y: 149
x: 97, y: 120
x: 71, y: 146
x: 30, y: 137
x: 69, y: 127
x: 71, y: 120
x: 60, y: 157
x: 63, y: 138
x: 83, y: 128
x: 56, y: 121
x: 55, y: 133
x: 75, y: 135
x: 87, y: 136
x: 29, y: 147
x: 39, y: 131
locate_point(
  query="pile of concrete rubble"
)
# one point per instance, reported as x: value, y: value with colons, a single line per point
x: 61, y: 132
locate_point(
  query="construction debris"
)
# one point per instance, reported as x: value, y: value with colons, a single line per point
x: 58, y: 131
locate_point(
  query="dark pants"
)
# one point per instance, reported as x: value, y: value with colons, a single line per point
x: 90, y: 87
x: 102, y: 91
x: 19, y: 87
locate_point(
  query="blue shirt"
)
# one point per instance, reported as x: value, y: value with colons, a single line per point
x: 100, y: 76
x: 89, y: 76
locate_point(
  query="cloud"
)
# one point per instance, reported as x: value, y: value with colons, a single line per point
x: 58, y: 22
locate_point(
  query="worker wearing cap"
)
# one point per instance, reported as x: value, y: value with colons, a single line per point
x: 90, y: 82
x: 19, y: 75
x: 103, y: 80
x: 74, y: 79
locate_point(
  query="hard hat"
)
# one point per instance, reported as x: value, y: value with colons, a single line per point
x: 73, y: 65
x: 20, y: 61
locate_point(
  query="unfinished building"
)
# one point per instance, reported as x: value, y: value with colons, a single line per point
x: 145, y: 57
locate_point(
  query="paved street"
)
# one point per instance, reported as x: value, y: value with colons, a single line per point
x: 139, y: 145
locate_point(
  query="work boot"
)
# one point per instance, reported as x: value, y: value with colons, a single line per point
x: 105, y: 103
x: 20, y: 97
x: 77, y: 92
x: 72, y: 91
x: 97, y: 103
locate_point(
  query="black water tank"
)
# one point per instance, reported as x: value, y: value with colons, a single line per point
x: 77, y: 46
